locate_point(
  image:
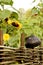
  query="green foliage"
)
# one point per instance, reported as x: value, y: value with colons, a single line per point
x: 34, y: 1
x: 31, y: 20
x: 34, y: 23
x: 40, y: 4
x: 6, y: 2
x: 5, y: 14
x: 14, y: 15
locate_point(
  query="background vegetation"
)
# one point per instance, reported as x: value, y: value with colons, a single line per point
x: 14, y: 23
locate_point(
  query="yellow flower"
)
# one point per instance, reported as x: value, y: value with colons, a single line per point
x: 9, y: 21
x: 6, y: 37
x: 16, y: 63
x: 17, y: 24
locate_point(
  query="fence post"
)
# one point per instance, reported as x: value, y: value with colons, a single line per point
x: 22, y: 41
x: 1, y: 37
x: 1, y: 43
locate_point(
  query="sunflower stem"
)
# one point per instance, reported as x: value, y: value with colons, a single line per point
x: 15, y: 9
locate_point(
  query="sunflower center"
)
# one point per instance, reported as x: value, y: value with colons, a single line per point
x: 6, y: 19
x: 15, y: 24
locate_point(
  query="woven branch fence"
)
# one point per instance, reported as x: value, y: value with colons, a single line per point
x: 20, y: 56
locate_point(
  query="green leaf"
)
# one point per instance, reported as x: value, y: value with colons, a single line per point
x: 40, y: 4
x: 35, y: 10
x: 4, y: 14
x: 34, y: 1
x: 14, y: 15
x: 6, y: 2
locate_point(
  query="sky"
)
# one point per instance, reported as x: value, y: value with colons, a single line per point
x: 26, y: 4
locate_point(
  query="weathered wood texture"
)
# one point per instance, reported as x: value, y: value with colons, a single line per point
x: 24, y: 57
x: 1, y: 37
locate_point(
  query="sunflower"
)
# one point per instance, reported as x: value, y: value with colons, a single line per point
x: 6, y: 37
x: 9, y: 21
x: 17, y: 24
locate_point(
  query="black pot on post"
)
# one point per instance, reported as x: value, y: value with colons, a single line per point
x: 32, y: 42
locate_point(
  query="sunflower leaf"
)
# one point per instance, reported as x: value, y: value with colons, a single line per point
x: 14, y: 15
x: 4, y: 14
x: 6, y: 2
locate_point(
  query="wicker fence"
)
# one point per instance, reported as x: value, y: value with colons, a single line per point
x: 9, y: 56
x: 21, y: 56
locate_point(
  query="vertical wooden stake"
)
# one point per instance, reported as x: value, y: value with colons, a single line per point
x: 1, y: 43
x: 1, y: 37
x: 40, y: 54
x: 22, y: 40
